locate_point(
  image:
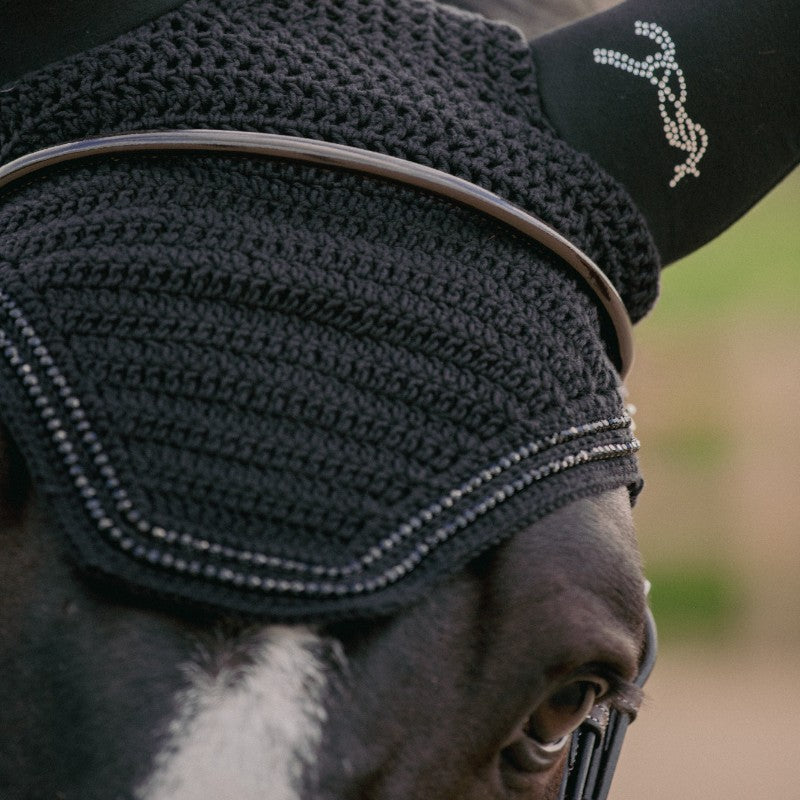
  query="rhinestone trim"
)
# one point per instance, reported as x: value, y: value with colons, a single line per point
x: 681, y: 132
x: 125, y: 527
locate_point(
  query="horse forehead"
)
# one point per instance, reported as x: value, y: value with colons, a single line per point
x: 570, y: 583
x: 586, y: 546
x: 249, y: 722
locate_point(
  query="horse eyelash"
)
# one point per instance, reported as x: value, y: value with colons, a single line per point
x: 623, y: 696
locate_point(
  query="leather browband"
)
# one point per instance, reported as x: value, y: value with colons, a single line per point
x: 356, y: 160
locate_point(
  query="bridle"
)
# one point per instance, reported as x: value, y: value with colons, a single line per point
x: 616, y: 324
x: 596, y: 745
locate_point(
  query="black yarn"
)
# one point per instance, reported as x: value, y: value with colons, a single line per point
x: 252, y: 364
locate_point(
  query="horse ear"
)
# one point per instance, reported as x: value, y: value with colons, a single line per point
x: 534, y: 19
x: 15, y: 482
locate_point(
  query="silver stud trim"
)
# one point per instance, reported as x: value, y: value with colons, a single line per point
x: 143, y: 538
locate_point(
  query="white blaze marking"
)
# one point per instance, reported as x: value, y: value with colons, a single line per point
x: 246, y: 733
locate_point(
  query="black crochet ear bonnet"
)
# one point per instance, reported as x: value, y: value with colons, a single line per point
x: 288, y: 390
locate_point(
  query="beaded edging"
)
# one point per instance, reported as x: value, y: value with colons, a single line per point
x: 126, y: 529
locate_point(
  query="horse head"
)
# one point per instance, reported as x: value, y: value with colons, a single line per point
x: 107, y: 695
x: 145, y: 659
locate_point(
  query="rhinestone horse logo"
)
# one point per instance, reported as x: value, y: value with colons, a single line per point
x: 664, y: 72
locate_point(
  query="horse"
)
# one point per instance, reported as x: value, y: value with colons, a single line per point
x: 471, y: 692
x: 101, y: 694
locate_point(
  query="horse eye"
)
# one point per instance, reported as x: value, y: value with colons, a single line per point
x: 564, y: 710
x: 541, y: 744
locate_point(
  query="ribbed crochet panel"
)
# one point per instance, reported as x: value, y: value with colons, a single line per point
x: 407, y: 78
x: 286, y: 390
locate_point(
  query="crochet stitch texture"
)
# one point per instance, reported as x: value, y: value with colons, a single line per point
x: 286, y: 390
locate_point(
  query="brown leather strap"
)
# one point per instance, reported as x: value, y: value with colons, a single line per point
x: 356, y: 160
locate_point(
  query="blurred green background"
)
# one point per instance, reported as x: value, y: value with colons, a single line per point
x: 717, y: 386
x: 717, y: 381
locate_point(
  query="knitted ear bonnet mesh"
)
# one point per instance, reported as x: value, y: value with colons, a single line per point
x: 288, y: 390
